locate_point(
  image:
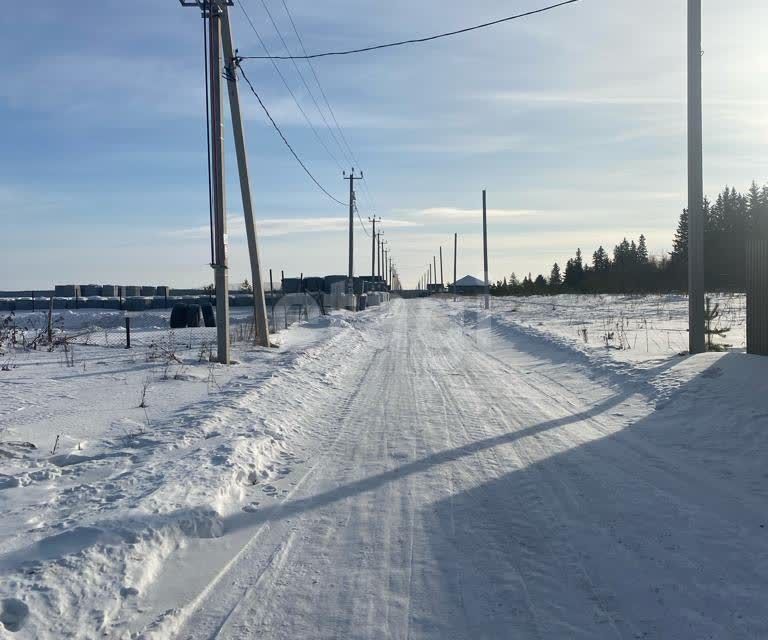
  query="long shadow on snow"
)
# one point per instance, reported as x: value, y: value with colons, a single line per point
x: 603, y: 541
x: 293, y: 507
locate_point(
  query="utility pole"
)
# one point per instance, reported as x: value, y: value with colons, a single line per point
x: 259, y: 303
x: 379, y: 247
x: 455, y: 247
x: 373, y: 247
x: 351, y: 177
x: 695, y: 184
x: 213, y: 11
x: 441, y: 268
x: 485, y: 253
x: 434, y: 262
x: 382, y: 251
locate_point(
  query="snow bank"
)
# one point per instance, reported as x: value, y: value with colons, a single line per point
x: 89, y: 527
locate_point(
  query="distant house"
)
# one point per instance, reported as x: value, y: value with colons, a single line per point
x: 468, y: 286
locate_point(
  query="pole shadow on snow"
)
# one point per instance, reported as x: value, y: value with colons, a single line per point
x: 294, y: 507
x: 655, y: 530
x: 645, y: 533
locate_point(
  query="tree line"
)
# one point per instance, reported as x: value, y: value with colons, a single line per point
x: 729, y: 221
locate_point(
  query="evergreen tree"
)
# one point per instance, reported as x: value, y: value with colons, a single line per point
x: 642, y: 250
x: 680, y: 242
x: 600, y: 260
x: 574, y: 272
x: 555, y: 278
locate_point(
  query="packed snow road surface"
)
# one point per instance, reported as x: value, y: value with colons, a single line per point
x: 472, y: 488
x: 423, y: 470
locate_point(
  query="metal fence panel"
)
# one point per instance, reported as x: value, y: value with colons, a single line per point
x: 757, y: 297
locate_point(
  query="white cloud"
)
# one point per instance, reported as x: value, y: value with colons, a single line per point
x: 271, y: 227
x: 453, y: 213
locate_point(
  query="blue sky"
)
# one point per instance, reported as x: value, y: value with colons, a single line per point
x: 574, y: 121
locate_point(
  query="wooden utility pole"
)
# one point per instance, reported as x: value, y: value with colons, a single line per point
x: 695, y: 184
x: 351, y: 275
x: 455, y: 247
x: 485, y: 253
x: 259, y: 304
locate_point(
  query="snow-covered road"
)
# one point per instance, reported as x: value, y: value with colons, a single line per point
x: 470, y: 485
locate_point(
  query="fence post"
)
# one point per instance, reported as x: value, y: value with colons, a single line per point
x: 127, y: 332
x: 50, y: 320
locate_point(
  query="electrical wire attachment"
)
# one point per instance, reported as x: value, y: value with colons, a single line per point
x: 400, y: 43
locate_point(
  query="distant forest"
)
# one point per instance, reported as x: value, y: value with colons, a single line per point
x: 730, y: 220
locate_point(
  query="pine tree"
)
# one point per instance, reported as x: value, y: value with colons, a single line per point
x: 680, y: 242
x: 711, y: 314
x: 246, y: 286
x: 555, y: 278
x: 600, y: 260
x: 574, y: 272
x: 642, y: 250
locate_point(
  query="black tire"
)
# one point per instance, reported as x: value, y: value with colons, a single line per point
x: 194, y: 315
x: 209, y: 317
x: 179, y: 316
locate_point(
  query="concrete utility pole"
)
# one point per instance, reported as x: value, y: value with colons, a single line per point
x: 218, y: 183
x: 259, y: 303
x: 695, y: 184
x: 381, y: 257
x: 373, y: 247
x: 350, y: 277
x: 441, y: 267
x: 485, y: 253
x: 379, y: 247
x: 455, y: 247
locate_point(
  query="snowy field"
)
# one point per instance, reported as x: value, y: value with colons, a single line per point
x: 630, y: 328
x: 553, y: 468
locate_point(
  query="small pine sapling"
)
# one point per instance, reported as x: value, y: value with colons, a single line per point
x: 712, y: 327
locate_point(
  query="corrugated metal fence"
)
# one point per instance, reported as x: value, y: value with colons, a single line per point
x: 757, y: 297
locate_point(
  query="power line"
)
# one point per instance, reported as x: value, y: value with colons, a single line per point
x: 416, y: 40
x: 288, y: 144
x: 319, y: 85
x: 287, y: 86
x: 301, y: 76
x: 354, y: 160
x: 362, y: 224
